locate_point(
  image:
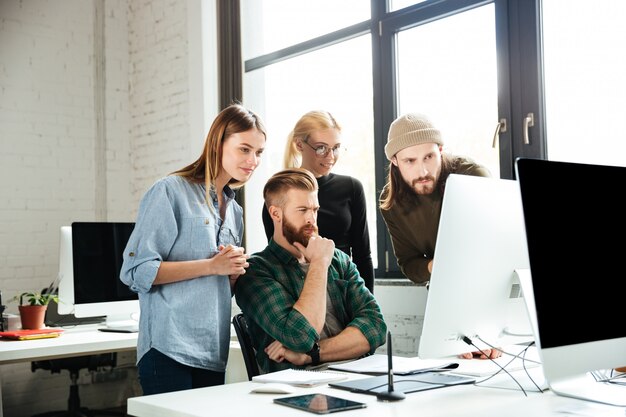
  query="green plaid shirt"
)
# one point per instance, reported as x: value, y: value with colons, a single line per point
x: 272, y: 285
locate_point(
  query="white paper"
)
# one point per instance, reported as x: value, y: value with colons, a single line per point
x: 299, y: 377
x: 377, y: 364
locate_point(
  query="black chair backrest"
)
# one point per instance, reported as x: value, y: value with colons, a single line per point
x: 247, y: 348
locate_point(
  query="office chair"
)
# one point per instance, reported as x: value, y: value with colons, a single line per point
x: 74, y: 365
x: 247, y: 349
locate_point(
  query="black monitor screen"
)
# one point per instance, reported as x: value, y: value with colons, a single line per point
x: 575, y: 217
x: 97, y: 249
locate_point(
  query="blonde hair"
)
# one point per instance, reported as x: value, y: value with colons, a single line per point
x: 275, y: 190
x: 233, y: 119
x: 310, y: 122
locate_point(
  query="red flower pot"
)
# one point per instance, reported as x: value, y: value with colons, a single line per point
x: 32, y: 317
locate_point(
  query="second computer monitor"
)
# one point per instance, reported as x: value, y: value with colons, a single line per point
x: 474, y: 290
x: 575, y: 218
x: 90, y: 259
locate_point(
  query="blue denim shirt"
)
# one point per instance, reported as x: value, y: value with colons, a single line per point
x: 189, y: 321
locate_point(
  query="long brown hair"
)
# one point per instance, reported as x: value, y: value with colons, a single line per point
x: 397, y: 190
x: 233, y: 119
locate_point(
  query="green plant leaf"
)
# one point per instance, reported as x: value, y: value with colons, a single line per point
x: 36, y: 299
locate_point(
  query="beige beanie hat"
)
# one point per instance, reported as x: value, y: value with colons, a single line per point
x: 408, y: 130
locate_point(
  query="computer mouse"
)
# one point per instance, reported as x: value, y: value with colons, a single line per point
x: 273, y: 388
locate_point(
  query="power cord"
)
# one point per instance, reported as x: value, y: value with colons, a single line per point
x: 471, y: 343
x: 615, y: 379
x: 519, y: 355
x: 522, y: 356
x: 609, y: 376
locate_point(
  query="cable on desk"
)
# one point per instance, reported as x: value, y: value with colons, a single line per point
x: 519, y: 355
x: 609, y: 376
x: 522, y: 356
x: 471, y: 343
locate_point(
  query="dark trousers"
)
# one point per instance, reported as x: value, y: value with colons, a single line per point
x: 159, y: 373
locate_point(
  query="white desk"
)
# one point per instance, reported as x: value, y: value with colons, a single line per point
x: 74, y: 342
x: 87, y: 340
x: 468, y: 401
x: 78, y: 341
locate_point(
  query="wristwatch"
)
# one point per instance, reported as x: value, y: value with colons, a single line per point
x: 314, y: 353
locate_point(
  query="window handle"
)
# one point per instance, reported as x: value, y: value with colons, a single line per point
x: 500, y: 128
x: 529, y: 121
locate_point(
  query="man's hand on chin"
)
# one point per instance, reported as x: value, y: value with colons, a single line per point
x: 318, y: 248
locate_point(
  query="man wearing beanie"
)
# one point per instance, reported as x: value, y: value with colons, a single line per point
x: 411, y: 200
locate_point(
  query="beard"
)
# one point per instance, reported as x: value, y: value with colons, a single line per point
x: 301, y: 235
x: 424, y: 189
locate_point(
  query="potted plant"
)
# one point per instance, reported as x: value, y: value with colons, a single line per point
x: 32, y: 307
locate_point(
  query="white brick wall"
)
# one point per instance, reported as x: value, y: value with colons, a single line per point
x: 48, y: 135
x: 159, y: 91
x: 46, y: 124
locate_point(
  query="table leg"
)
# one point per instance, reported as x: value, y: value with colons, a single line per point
x: 1, y: 406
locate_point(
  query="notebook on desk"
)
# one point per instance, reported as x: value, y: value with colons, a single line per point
x: 31, y: 334
x: 299, y: 377
x: 377, y: 365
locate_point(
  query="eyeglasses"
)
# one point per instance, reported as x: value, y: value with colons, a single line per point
x: 322, y: 151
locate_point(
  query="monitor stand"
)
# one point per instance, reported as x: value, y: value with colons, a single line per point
x: 585, y: 387
x: 121, y: 323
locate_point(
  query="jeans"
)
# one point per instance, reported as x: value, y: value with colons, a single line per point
x: 159, y: 373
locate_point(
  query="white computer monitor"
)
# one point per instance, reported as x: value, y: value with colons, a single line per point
x: 474, y: 290
x: 90, y: 259
x: 575, y: 218
x: 66, y: 272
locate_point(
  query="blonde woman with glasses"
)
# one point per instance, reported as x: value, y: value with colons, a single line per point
x: 315, y: 144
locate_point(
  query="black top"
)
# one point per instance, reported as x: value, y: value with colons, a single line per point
x: 342, y: 217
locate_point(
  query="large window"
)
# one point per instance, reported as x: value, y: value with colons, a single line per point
x: 584, y: 80
x: 473, y: 66
x: 443, y: 64
x: 448, y: 70
x: 333, y: 75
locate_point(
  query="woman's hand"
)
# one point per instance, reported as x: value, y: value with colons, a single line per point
x: 230, y: 260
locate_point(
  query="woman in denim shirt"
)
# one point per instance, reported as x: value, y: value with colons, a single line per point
x: 184, y: 256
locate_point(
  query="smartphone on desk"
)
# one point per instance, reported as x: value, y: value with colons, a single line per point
x: 319, y: 403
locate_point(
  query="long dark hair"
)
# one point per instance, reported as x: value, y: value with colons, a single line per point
x: 397, y: 190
